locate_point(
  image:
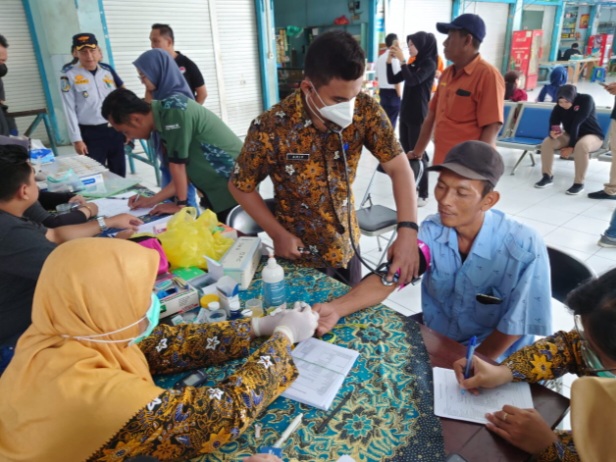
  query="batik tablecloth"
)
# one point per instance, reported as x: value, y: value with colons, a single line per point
x: 389, y: 415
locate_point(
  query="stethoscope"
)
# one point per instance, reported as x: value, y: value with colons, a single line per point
x: 382, y: 270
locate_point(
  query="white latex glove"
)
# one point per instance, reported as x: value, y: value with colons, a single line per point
x: 298, y: 324
x: 264, y: 326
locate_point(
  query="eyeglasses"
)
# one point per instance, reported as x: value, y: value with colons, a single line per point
x: 593, y: 363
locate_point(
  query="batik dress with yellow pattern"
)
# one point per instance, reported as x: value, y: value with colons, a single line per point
x: 181, y: 424
x: 306, y: 166
x: 547, y: 359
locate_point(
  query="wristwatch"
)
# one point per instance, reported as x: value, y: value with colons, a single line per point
x: 102, y: 224
x: 181, y: 203
x: 407, y: 224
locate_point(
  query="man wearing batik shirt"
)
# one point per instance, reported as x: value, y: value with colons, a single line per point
x: 303, y: 145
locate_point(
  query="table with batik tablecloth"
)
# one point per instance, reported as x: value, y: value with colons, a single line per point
x: 389, y: 415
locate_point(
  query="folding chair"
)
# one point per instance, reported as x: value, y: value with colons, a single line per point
x: 376, y: 220
x: 148, y: 156
x: 529, y: 131
x: 566, y: 273
x: 239, y: 219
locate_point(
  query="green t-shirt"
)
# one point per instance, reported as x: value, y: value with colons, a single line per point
x: 195, y: 136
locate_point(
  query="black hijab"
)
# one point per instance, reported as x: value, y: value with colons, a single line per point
x: 568, y: 92
x: 425, y: 43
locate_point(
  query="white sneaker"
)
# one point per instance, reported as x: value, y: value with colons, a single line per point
x: 422, y: 201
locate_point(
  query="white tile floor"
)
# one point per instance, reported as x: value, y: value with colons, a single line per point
x: 570, y: 223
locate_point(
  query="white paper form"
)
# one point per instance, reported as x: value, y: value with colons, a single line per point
x: 322, y: 369
x: 450, y: 402
x: 117, y: 204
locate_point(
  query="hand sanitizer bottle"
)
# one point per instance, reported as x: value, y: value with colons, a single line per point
x: 274, y: 286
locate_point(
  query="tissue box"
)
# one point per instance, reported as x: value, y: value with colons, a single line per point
x: 241, y: 260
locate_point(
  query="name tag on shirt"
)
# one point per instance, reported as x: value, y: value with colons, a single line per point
x: 297, y: 156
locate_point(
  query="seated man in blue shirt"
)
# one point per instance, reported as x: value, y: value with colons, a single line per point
x: 489, y: 276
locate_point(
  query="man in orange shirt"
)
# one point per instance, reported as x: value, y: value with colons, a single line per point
x: 468, y: 104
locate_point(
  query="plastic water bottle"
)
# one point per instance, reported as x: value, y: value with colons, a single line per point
x: 274, y: 286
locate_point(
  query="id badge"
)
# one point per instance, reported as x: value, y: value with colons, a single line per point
x: 298, y: 156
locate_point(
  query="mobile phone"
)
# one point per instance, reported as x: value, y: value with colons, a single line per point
x: 557, y: 129
x: 194, y: 379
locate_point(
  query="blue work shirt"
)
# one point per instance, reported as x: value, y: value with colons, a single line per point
x: 507, y: 260
x: 83, y: 93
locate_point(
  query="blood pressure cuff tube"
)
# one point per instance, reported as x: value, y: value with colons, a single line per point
x: 424, y: 256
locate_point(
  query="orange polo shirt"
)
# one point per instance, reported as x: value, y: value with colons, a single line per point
x: 465, y: 102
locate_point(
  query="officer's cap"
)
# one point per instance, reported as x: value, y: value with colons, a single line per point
x: 83, y: 40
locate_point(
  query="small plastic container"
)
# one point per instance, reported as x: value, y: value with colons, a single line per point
x: 235, y: 309
x: 256, y: 306
x: 202, y: 317
x: 216, y: 313
x: 190, y: 318
x: 177, y: 320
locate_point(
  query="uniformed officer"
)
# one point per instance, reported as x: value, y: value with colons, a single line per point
x: 84, y: 86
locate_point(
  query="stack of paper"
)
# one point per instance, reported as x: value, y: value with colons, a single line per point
x: 322, y: 369
x: 451, y: 402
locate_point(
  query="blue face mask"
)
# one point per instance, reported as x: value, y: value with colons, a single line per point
x: 152, y: 315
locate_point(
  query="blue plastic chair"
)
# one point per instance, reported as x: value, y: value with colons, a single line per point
x: 598, y: 74
x: 529, y: 131
x: 509, y: 112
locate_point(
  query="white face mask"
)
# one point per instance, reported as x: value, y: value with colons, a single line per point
x: 341, y: 113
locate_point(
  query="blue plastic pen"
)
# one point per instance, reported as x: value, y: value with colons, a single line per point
x: 470, y: 351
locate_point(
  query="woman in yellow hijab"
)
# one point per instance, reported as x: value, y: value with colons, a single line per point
x: 593, y: 404
x: 587, y: 350
x: 80, y: 385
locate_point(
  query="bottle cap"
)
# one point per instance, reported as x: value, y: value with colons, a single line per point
x: 213, y: 306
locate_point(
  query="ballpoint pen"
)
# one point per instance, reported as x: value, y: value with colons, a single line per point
x: 289, y: 430
x: 470, y: 351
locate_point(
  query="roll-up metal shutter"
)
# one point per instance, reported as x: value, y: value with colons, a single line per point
x: 207, y: 32
x: 495, y: 16
x: 239, y: 62
x: 405, y: 17
x: 22, y: 84
x: 129, y: 23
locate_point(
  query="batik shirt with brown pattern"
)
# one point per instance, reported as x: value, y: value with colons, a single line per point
x: 307, y: 168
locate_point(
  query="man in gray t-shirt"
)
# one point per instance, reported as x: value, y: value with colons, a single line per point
x: 24, y: 244
x: 23, y: 250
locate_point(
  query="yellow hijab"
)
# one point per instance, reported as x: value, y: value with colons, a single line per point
x: 61, y: 399
x: 593, y: 405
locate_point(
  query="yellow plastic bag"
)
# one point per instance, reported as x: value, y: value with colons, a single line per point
x: 188, y: 239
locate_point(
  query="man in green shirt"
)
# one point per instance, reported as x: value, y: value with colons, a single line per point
x: 197, y: 144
